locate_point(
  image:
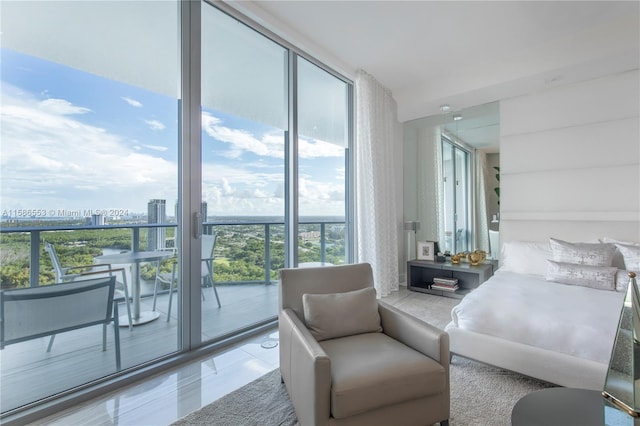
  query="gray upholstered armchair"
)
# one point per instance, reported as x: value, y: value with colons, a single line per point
x: 349, y: 359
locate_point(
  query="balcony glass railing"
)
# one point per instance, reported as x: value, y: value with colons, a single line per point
x: 248, y: 255
x: 246, y: 251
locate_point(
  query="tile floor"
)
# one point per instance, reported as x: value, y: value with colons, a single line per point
x: 175, y: 393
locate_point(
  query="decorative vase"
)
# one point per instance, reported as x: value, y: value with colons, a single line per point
x: 474, y: 258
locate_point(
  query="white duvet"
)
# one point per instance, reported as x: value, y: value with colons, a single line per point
x: 574, y: 320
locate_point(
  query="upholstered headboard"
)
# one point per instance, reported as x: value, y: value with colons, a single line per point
x: 570, y: 162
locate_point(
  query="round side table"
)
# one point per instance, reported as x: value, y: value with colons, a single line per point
x: 561, y: 407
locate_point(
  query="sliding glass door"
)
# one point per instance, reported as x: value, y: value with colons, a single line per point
x: 244, y: 128
x: 177, y: 142
x: 89, y: 132
x: 323, y: 159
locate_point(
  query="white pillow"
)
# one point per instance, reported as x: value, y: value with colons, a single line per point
x: 333, y: 315
x: 598, y: 254
x: 525, y: 257
x: 618, y: 259
x: 631, y: 256
x: 598, y: 277
x: 622, y: 280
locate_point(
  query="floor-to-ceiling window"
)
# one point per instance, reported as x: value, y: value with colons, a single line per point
x: 244, y: 135
x: 323, y: 148
x: 97, y: 158
x: 456, y: 211
x: 90, y: 137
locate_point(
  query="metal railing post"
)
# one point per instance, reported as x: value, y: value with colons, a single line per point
x: 34, y: 259
x: 323, y: 244
x: 135, y: 239
x: 267, y: 253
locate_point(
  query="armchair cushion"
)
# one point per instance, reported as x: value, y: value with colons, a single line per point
x: 333, y: 315
x: 373, y: 370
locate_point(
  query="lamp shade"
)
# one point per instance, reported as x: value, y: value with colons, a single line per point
x: 411, y: 226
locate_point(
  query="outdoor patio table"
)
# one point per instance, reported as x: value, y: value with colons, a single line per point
x: 135, y: 258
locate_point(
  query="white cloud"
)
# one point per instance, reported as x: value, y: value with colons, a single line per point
x: 238, y: 191
x: 270, y: 144
x: 250, y: 191
x: 317, y: 148
x: 156, y: 147
x: 132, y: 102
x: 51, y: 160
x: 240, y: 140
x: 257, y: 188
x: 155, y: 124
x: 61, y: 107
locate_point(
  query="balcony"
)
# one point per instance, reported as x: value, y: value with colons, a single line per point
x: 28, y: 373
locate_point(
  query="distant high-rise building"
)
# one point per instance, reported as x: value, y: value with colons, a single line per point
x: 156, y: 213
x: 203, y: 211
x: 95, y: 220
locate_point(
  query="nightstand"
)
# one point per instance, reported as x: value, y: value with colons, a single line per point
x: 420, y: 275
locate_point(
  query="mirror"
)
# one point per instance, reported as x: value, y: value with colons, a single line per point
x: 623, y: 376
x: 475, y: 129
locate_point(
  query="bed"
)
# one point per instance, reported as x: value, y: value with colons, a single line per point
x: 524, y: 320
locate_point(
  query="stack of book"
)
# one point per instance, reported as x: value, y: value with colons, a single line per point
x: 446, y: 284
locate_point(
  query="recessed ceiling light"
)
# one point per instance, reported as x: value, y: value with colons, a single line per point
x: 457, y: 117
x: 445, y: 108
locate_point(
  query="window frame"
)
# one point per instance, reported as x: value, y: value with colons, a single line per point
x: 191, y: 345
x: 456, y: 146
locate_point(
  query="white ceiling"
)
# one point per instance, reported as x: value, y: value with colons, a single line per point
x: 461, y: 53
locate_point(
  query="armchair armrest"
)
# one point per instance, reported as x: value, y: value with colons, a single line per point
x: 415, y: 333
x: 305, y: 369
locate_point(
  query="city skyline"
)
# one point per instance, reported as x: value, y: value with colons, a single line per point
x: 99, y: 145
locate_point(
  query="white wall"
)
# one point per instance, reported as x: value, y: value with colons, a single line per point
x: 570, y: 161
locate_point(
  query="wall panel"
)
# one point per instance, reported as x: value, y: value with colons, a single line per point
x: 601, y: 144
x: 604, y: 99
x: 570, y: 161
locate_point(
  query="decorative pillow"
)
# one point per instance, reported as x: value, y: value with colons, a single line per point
x: 598, y: 277
x: 525, y: 257
x: 618, y: 260
x: 599, y: 254
x: 622, y: 280
x: 631, y: 256
x: 333, y: 315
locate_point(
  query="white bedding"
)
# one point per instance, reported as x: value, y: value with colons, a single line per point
x: 573, y: 320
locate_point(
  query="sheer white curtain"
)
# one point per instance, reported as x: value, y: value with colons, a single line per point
x: 377, y: 145
x: 430, y: 188
x: 481, y: 212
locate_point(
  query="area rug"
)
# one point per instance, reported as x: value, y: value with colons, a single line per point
x: 263, y: 402
x: 481, y: 395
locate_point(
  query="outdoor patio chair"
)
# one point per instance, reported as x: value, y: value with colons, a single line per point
x: 206, y: 273
x: 33, y: 312
x: 72, y: 273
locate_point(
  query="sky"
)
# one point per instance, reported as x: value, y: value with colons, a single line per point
x: 73, y: 141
